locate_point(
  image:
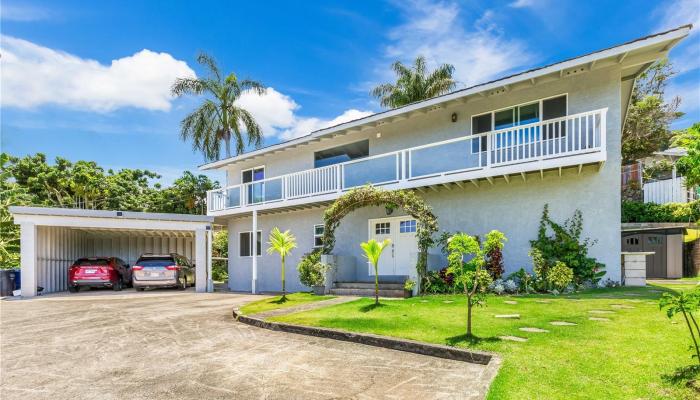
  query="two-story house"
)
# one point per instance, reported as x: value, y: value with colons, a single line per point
x: 485, y: 157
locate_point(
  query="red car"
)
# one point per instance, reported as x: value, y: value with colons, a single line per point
x: 110, y: 272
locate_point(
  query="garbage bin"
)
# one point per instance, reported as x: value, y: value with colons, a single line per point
x: 7, y: 281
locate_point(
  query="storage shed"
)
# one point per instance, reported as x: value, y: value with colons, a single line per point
x: 52, y: 238
x: 666, y: 240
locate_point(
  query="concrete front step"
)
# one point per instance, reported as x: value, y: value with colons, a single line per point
x: 369, y: 285
x: 368, y: 292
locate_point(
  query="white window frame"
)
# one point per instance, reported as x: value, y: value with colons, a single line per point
x: 540, y: 101
x: 253, y: 169
x: 251, y: 244
x: 316, y: 236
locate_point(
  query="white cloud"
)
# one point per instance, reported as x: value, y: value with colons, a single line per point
x: 523, y: 3
x: 276, y: 114
x: 23, y: 13
x: 34, y: 75
x: 676, y: 13
x: 479, y: 52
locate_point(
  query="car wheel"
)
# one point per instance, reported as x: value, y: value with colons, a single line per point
x: 140, y: 289
x: 73, y: 289
x: 117, y: 286
x: 183, y: 286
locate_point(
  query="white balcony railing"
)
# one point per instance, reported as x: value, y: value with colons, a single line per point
x: 554, y: 138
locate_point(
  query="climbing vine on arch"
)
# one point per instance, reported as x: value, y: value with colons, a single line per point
x: 367, y: 196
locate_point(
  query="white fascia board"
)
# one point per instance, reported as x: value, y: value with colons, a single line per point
x: 76, y: 212
x: 672, y: 36
x: 109, y: 223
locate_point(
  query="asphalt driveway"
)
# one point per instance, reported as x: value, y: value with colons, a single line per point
x: 173, y: 345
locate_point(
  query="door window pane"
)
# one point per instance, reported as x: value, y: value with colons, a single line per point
x: 382, y: 228
x: 407, y: 226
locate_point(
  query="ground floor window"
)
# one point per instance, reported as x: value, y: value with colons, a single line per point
x: 245, y: 248
x: 319, y: 230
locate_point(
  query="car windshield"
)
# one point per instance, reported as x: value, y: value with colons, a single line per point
x: 155, y: 262
x: 91, y: 261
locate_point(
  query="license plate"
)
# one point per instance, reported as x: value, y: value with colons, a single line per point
x: 90, y: 271
x: 155, y: 274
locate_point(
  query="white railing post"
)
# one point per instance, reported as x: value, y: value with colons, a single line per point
x: 339, y: 177
x: 406, y: 164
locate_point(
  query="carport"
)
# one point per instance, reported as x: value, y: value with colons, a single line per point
x: 52, y: 238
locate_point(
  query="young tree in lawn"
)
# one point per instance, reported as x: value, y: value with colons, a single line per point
x: 373, y: 250
x: 685, y: 304
x: 281, y: 243
x: 471, y: 273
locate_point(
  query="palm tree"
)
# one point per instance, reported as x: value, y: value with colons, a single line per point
x: 281, y: 243
x: 414, y: 84
x: 218, y: 118
x: 373, y: 250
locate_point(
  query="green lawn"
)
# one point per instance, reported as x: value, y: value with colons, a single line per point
x: 293, y: 299
x: 623, y: 358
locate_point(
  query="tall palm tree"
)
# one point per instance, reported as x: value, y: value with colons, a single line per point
x: 218, y: 118
x: 281, y: 243
x: 414, y: 83
x: 373, y: 250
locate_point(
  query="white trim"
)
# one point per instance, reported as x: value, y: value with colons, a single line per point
x: 672, y: 36
x: 251, y: 244
x: 252, y: 175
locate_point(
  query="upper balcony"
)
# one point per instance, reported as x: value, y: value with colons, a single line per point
x: 573, y: 140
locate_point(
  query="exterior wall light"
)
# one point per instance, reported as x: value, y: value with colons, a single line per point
x: 454, y: 117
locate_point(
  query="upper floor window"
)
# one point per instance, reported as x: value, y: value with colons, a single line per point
x: 339, y: 154
x: 528, y: 113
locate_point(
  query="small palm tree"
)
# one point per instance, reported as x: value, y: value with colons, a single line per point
x: 218, y: 118
x: 281, y: 243
x: 373, y: 250
x: 414, y: 84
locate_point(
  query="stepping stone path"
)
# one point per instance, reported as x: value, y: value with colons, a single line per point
x: 601, y: 312
x: 534, y: 330
x: 508, y: 316
x: 631, y: 294
x: 510, y: 302
x: 543, y: 301
x: 448, y: 301
x: 562, y: 323
x: 621, y: 306
x: 513, y: 338
x: 424, y: 301
x: 598, y: 319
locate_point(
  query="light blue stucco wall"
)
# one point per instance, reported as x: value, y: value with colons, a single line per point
x: 513, y: 208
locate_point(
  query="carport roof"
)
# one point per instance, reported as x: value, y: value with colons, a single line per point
x: 74, y: 212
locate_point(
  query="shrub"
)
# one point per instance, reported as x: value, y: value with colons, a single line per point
x: 635, y: 211
x: 510, y: 286
x: 409, y: 285
x: 523, y: 279
x: 494, y: 262
x: 566, y: 245
x: 312, y: 272
x: 498, y: 289
x: 560, y: 276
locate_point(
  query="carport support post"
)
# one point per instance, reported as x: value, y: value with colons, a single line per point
x: 200, y: 238
x: 27, y: 243
x: 254, y: 238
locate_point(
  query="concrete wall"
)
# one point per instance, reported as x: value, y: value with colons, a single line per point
x: 513, y: 208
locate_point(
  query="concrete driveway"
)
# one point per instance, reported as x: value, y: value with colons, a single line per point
x: 173, y: 345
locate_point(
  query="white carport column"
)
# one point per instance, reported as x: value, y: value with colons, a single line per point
x: 200, y: 246
x: 27, y: 243
x: 254, y: 238
x: 210, y: 280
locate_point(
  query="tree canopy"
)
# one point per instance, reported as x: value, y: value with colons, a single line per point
x: 689, y: 165
x: 415, y: 83
x: 218, y: 118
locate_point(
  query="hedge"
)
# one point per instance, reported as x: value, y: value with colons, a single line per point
x: 634, y: 211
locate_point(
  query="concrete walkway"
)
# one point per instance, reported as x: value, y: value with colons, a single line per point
x: 305, y: 307
x: 178, y: 345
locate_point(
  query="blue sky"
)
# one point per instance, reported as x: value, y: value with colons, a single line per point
x: 91, y: 82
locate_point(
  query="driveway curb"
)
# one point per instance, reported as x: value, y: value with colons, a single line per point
x: 433, y: 350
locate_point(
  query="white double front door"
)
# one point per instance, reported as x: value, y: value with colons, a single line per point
x: 395, y: 259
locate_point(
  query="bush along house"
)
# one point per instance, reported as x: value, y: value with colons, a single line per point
x: 485, y: 157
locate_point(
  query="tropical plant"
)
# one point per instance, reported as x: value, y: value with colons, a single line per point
x: 409, y: 285
x: 470, y: 273
x: 414, y: 83
x: 689, y: 165
x: 373, y: 250
x: 494, y: 260
x: 646, y: 128
x: 218, y: 118
x: 524, y: 280
x: 566, y: 245
x: 685, y: 304
x: 560, y: 276
x: 281, y: 243
x: 312, y: 272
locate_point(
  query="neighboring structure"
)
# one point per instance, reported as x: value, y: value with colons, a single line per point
x: 486, y: 157
x: 665, y: 240
x: 52, y: 238
x: 670, y: 188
